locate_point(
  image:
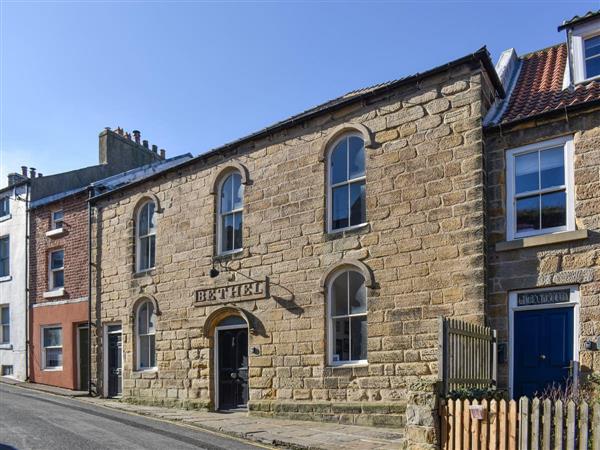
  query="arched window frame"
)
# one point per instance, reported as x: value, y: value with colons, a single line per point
x: 151, y: 334
x: 331, y: 186
x: 219, y: 214
x: 151, y: 234
x: 331, y: 317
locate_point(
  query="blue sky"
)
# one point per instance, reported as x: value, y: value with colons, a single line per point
x: 194, y: 75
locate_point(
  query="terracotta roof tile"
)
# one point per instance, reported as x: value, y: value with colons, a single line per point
x: 539, y: 87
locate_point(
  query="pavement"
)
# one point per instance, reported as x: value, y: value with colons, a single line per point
x: 238, y: 425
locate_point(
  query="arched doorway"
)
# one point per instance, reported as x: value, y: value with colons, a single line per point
x: 231, y: 363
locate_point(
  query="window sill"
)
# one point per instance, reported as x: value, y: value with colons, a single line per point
x: 6, y: 217
x: 149, y: 370
x: 342, y: 231
x: 55, y: 293
x: 229, y: 255
x: 6, y: 278
x: 56, y: 232
x: 543, y: 239
x: 350, y: 365
x: 145, y: 273
x: 52, y: 369
x: 6, y: 347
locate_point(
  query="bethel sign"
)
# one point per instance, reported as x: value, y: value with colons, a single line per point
x: 252, y: 290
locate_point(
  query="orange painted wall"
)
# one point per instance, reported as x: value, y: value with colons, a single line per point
x: 69, y: 316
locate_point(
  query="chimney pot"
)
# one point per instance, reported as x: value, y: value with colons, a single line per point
x: 154, y: 148
x: 128, y: 135
x: 24, y: 171
x: 137, y: 135
x: 162, y: 153
x: 32, y: 172
x: 40, y: 175
x: 145, y: 142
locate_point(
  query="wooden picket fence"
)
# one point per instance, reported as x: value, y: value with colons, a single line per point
x: 467, y: 356
x: 527, y: 425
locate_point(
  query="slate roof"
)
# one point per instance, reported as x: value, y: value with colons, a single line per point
x: 539, y: 86
x: 578, y: 19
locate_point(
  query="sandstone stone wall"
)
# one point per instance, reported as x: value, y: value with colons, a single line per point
x: 424, y: 243
x: 567, y: 263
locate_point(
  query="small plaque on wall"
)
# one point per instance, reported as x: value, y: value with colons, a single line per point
x: 543, y: 297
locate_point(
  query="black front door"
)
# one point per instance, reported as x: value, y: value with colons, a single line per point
x: 233, y: 368
x: 83, y: 364
x: 115, y: 379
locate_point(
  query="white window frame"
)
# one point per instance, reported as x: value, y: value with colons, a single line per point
x: 3, y: 325
x: 578, y: 37
x: 6, y: 275
x: 569, y: 187
x: 138, y: 365
x: 51, y: 271
x: 220, y: 215
x: 139, y: 237
x: 331, y: 187
x: 513, y: 307
x: 43, y: 347
x: 54, y: 221
x: 331, y: 318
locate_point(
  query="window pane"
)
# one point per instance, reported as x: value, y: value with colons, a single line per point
x: 358, y: 327
x: 339, y: 292
x: 143, y: 319
x: 339, y: 168
x: 592, y: 46
x: 52, y: 337
x: 151, y: 218
x: 554, y: 209
x: 4, y: 247
x: 152, y: 251
x: 356, y: 157
x: 5, y: 316
x: 53, y: 357
x: 237, y: 230
x: 526, y: 173
x: 238, y: 191
x: 528, y: 214
x: 227, y: 195
x: 5, y: 334
x: 58, y: 279
x: 341, y: 340
x: 358, y: 293
x: 151, y: 318
x: 592, y: 67
x: 4, y: 207
x: 358, y: 203
x: 57, y: 259
x: 4, y: 268
x: 339, y: 207
x: 145, y: 351
x: 151, y: 339
x: 227, y: 233
x: 552, y: 167
x: 144, y: 253
x: 143, y: 220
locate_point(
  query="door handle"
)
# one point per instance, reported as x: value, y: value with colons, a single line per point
x: 542, y: 357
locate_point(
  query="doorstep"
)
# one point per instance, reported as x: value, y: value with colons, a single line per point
x: 285, y: 433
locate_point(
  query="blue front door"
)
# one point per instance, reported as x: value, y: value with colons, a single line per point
x: 543, y: 349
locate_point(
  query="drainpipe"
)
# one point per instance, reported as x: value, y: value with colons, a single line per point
x: 570, y: 58
x: 89, y: 367
x: 26, y: 280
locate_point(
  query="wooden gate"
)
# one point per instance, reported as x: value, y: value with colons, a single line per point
x: 467, y: 356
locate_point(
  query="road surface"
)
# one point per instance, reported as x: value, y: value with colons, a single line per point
x: 35, y: 420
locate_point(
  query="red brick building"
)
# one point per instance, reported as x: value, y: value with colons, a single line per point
x: 58, y: 262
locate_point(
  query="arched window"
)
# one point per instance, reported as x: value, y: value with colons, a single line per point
x: 145, y: 336
x: 230, y: 214
x: 347, y: 196
x: 146, y: 237
x: 347, y: 318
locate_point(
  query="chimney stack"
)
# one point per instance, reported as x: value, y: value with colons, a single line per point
x: 24, y: 171
x: 40, y: 175
x: 155, y: 148
x: 137, y: 135
x: 162, y: 153
x: 145, y: 143
x: 32, y: 172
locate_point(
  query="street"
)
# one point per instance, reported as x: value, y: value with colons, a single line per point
x: 36, y: 420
